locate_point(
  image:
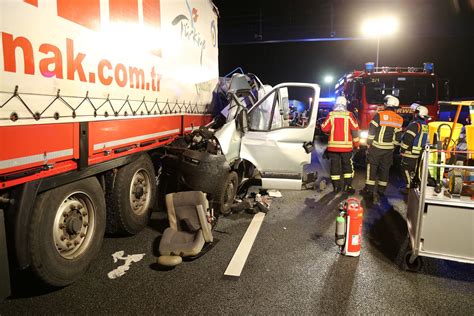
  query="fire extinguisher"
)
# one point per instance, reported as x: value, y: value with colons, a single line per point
x: 349, y: 227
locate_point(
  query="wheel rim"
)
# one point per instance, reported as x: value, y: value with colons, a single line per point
x: 140, y: 194
x: 74, y: 225
x: 229, y: 194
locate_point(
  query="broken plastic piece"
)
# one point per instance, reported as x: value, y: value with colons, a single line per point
x: 261, y: 208
x: 274, y: 193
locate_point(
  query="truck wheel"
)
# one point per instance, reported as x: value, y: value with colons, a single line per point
x: 132, y: 197
x: 225, y: 195
x: 66, y: 231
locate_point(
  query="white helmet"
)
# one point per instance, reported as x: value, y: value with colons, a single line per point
x: 414, y: 106
x: 391, y: 101
x: 422, y: 112
x: 341, y: 104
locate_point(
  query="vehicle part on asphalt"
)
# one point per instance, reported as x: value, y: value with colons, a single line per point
x: 190, y: 229
x: 128, y: 260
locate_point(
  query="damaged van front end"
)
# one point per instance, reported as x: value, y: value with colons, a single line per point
x: 257, y: 142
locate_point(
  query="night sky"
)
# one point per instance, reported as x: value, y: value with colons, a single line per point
x: 291, y: 40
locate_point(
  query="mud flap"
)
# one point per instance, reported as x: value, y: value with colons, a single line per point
x: 5, y: 290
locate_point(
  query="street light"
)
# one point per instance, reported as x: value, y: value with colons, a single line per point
x: 379, y: 27
x: 328, y: 79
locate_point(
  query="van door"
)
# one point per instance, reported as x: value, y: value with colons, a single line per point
x: 280, y: 134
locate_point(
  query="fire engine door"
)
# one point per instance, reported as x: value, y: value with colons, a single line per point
x: 279, y: 126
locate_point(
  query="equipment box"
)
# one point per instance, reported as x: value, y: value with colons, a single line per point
x: 440, y: 224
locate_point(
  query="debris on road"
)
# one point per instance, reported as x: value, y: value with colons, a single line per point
x: 120, y: 270
x: 309, y: 180
x: 274, y: 193
x: 255, y: 202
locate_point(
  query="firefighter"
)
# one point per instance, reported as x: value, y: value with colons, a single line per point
x: 343, y: 131
x: 413, y: 142
x: 384, y: 133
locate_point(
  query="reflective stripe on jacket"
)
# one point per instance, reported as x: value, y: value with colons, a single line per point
x: 343, y: 131
x: 385, y: 130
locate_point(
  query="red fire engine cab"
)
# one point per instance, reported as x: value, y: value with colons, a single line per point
x: 365, y: 90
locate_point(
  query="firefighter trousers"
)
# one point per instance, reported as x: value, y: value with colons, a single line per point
x: 409, y: 165
x: 379, y: 162
x: 341, y: 164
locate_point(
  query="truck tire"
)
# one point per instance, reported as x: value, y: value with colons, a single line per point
x: 225, y: 194
x: 66, y: 231
x: 132, y: 197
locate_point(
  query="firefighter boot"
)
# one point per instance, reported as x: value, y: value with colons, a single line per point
x: 336, y: 186
x: 349, y: 189
x: 348, y: 186
x: 367, y: 193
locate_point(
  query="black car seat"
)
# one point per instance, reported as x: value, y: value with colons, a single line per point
x: 189, y: 228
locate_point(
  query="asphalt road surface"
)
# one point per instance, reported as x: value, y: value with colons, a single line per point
x: 293, y: 268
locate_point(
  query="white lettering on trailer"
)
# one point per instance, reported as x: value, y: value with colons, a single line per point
x: 190, y: 129
x: 237, y: 262
x: 134, y: 139
x: 4, y: 164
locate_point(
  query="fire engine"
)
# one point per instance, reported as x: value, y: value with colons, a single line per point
x: 366, y: 89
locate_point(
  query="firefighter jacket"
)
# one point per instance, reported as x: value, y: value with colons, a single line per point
x: 343, y: 131
x: 414, y: 139
x: 385, y: 130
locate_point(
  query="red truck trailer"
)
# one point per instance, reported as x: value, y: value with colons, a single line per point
x: 90, y: 91
x: 100, y: 96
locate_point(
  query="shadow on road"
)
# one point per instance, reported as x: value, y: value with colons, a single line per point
x: 386, y: 229
x: 338, y: 285
x: 25, y: 285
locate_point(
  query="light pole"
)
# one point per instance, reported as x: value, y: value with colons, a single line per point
x: 379, y: 27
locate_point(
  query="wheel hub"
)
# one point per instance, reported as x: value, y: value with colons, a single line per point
x: 229, y: 193
x: 139, y: 192
x: 73, y: 225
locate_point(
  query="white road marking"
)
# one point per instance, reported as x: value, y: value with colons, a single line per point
x: 237, y: 262
x: 120, y: 270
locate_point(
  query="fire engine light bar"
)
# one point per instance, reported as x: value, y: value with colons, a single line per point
x: 327, y: 99
x: 369, y: 67
x: 428, y: 67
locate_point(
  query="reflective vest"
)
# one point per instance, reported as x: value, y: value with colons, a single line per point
x: 343, y: 131
x: 414, y: 139
x: 385, y: 129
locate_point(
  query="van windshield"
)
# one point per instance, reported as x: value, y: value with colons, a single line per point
x: 408, y: 89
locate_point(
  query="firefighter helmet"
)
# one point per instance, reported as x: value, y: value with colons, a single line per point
x: 391, y: 101
x: 422, y: 112
x: 341, y: 104
x: 414, y: 106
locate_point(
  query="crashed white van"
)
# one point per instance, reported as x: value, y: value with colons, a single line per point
x: 269, y: 139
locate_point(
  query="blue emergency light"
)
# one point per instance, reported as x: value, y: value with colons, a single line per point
x: 330, y: 99
x: 369, y: 67
x: 428, y: 67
